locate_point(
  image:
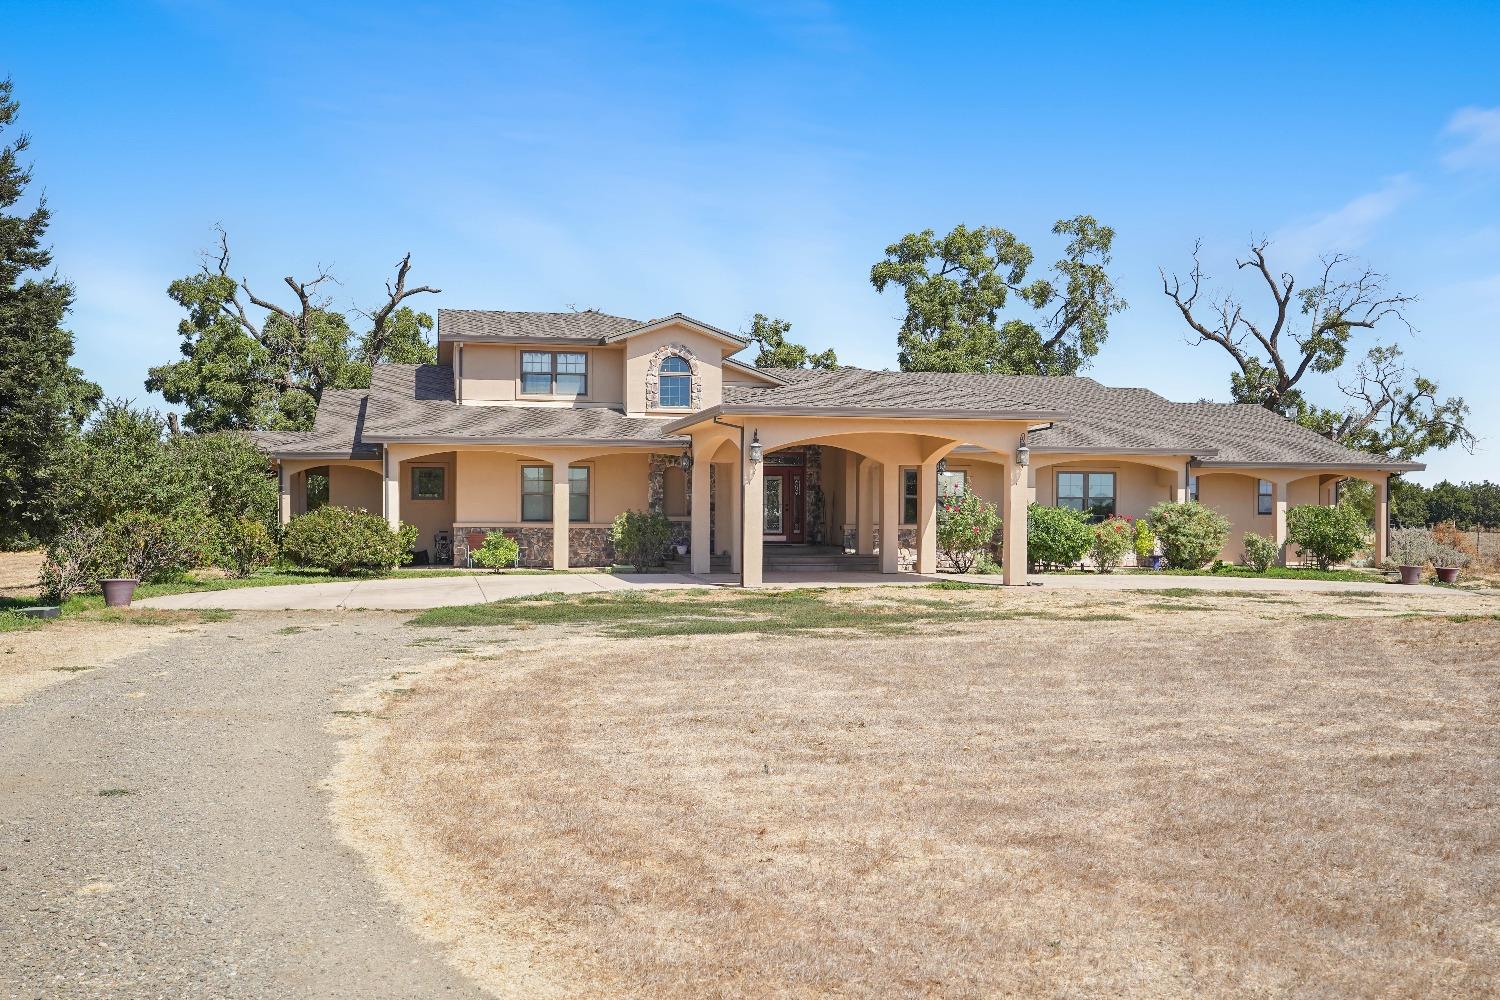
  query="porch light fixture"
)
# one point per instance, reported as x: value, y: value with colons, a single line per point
x: 756, y: 451
x: 1023, y: 453
x: 686, y: 461
x: 942, y: 467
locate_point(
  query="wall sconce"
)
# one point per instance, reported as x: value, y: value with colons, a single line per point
x: 942, y: 467
x: 686, y: 461
x: 756, y: 451
x: 1023, y: 453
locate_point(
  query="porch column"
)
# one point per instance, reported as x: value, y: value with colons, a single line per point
x: 927, y: 517
x: 1382, y: 519
x: 1181, y: 493
x: 753, y: 517
x: 1278, y: 506
x: 1013, y: 526
x: 390, y: 490
x: 560, y: 513
x: 864, y: 513
x: 286, y: 493
x: 730, y: 480
x: 890, y: 517
x: 702, y: 548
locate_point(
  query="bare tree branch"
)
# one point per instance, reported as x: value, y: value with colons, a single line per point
x: 395, y: 295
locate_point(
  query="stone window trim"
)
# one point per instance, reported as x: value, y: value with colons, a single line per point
x: 654, y: 374
x: 587, y: 467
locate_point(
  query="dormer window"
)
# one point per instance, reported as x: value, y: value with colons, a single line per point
x: 675, y: 382
x: 554, y: 373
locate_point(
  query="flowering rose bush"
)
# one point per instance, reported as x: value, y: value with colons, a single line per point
x: 966, y: 526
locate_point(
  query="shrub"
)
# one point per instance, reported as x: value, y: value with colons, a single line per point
x: 985, y: 565
x: 342, y: 541
x: 245, y: 546
x: 1113, y: 537
x: 1411, y: 547
x: 1260, y: 551
x: 1145, y: 543
x: 498, y: 552
x: 74, y: 562
x: 1190, y: 533
x: 1328, y: 534
x: 148, y: 546
x: 1056, y: 536
x: 966, y: 526
x: 1448, y: 556
x: 641, y: 538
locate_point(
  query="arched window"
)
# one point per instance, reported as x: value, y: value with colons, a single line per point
x: 675, y: 382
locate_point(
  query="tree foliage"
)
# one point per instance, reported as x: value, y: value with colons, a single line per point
x: 778, y: 352
x: 251, y: 362
x: 1390, y: 410
x: 43, y: 398
x: 957, y: 285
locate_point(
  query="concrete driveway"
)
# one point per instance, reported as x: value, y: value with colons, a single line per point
x: 417, y: 593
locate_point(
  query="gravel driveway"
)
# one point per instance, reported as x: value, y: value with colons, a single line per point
x: 217, y: 872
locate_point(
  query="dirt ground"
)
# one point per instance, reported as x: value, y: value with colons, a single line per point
x: 19, y: 572
x: 1143, y: 795
x: 37, y: 659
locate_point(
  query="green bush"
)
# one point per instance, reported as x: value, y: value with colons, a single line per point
x: 343, y: 541
x: 1056, y: 536
x: 966, y: 526
x: 1190, y: 533
x: 148, y: 546
x: 641, y: 538
x: 245, y: 545
x: 498, y: 552
x: 1113, y: 537
x: 1260, y: 551
x: 1144, y: 543
x: 1328, y: 534
x: 985, y: 565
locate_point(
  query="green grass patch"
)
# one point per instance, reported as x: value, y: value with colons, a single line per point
x: 1170, y: 606
x: 652, y: 615
x: 14, y: 621
x: 1325, y: 616
x: 1276, y: 573
x: 112, y: 793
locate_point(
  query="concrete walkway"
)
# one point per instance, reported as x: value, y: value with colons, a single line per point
x: 481, y: 588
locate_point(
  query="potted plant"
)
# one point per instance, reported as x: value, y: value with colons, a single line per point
x: 1145, y: 545
x: 1410, y: 549
x: 118, y: 590
x: 1447, y: 560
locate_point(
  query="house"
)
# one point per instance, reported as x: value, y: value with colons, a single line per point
x: 547, y: 425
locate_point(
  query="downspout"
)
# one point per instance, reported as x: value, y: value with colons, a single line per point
x: 739, y: 476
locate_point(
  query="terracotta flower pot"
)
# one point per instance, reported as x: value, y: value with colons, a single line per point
x: 1447, y: 574
x: 1411, y: 575
x: 118, y: 591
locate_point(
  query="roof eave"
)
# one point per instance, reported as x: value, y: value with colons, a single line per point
x: 531, y: 442
x: 758, y: 372
x: 484, y: 338
x: 1063, y: 450
x: 697, y: 324
x: 859, y: 412
x: 1332, y: 466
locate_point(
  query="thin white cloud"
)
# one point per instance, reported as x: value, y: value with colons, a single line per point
x: 1478, y: 133
x: 1348, y: 227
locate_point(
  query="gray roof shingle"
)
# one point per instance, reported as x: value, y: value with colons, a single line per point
x: 510, y: 325
x: 337, y: 430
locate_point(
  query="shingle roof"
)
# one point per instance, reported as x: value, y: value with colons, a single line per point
x: 415, y: 402
x: 505, y: 324
x: 337, y: 430
x: 860, y: 388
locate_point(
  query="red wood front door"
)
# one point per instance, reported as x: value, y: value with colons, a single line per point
x: 785, y: 510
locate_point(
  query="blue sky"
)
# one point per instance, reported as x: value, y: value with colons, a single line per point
x: 724, y: 159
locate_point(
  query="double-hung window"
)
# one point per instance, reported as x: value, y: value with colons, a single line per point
x: 536, y: 493
x: 908, y: 496
x: 1093, y: 493
x: 1265, y: 496
x: 554, y: 373
x: 674, y: 382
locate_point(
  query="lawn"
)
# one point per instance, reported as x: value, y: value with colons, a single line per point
x: 996, y: 793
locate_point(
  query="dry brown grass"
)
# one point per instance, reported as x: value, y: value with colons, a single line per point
x: 1185, y: 804
x: 19, y: 572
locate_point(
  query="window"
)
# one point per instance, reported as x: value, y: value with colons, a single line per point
x: 674, y: 382
x: 536, y: 493
x: 908, y: 496
x: 554, y: 373
x: 952, y: 482
x: 1265, y: 496
x: 1090, y: 492
x: 427, y: 483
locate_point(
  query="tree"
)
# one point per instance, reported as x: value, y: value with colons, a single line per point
x: 268, y: 370
x: 956, y: 287
x: 1391, y: 411
x: 43, y: 398
x: 778, y: 352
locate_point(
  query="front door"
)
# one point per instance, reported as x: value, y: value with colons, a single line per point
x: 785, y: 510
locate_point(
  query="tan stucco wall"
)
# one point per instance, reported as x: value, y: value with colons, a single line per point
x: 489, y: 487
x: 354, y: 487
x: 709, y: 352
x: 429, y: 516
x: 491, y: 373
